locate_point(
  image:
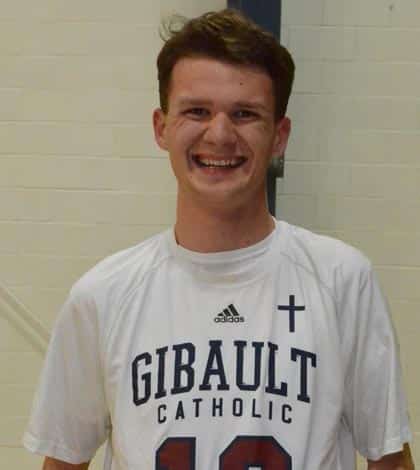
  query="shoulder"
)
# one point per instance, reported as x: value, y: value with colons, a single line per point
x: 113, y: 278
x: 331, y: 260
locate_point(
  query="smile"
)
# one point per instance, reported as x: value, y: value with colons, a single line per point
x: 206, y: 162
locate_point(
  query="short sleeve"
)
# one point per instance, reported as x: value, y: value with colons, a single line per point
x: 69, y: 419
x: 375, y: 408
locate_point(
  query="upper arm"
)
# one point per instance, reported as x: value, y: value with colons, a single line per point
x: 375, y: 406
x: 54, y: 464
x: 398, y: 461
x: 70, y: 418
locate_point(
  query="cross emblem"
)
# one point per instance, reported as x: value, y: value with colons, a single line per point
x: 292, y: 308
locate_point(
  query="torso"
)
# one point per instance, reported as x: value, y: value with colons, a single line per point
x: 210, y: 365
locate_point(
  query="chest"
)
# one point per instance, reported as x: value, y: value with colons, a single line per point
x: 183, y: 358
x: 175, y: 336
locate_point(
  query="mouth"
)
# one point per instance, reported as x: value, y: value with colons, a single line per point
x: 226, y: 163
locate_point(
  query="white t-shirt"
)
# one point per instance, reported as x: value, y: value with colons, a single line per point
x: 277, y: 356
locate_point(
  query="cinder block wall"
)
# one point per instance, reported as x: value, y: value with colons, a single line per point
x: 352, y: 168
x: 80, y: 174
x: 81, y: 177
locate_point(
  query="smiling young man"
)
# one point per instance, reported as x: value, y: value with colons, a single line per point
x: 220, y: 132
x: 233, y: 340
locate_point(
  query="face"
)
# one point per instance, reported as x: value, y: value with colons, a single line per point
x: 220, y: 132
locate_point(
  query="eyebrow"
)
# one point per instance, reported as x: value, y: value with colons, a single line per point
x: 239, y: 104
x: 251, y: 104
x: 193, y: 102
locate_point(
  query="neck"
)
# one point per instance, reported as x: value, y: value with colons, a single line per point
x: 210, y: 230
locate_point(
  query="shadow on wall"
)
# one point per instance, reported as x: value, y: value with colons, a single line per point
x: 24, y: 321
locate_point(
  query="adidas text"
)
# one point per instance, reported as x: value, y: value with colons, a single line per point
x: 229, y: 315
x: 229, y: 320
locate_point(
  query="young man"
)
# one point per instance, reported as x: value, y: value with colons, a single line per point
x: 234, y: 340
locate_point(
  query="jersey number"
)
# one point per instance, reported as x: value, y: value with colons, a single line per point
x: 244, y: 452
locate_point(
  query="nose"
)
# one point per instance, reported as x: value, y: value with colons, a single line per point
x: 220, y: 131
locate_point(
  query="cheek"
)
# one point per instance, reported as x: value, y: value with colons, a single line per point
x: 261, y: 142
x: 185, y: 133
x: 185, y: 125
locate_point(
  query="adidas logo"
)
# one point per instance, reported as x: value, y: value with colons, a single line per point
x: 229, y: 315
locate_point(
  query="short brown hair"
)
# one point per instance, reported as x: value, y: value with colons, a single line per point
x: 227, y: 36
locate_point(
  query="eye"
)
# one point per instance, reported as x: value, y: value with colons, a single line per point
x: 196, y: 112
x: 245, y: 114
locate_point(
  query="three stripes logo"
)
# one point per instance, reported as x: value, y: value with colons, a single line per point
x: 229, y: 315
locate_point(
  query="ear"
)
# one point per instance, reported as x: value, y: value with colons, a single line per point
x: 283, y: 127
x: 159, y: 127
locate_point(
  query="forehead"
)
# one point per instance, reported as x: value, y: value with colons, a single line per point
x: 206, y: 78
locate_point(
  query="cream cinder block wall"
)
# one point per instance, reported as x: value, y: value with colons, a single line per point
x: 352, y: 167
x: 81, y: 177
x: 80, y: 174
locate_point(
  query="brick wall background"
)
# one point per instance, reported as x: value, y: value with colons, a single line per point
x: 353, y: 165
x: 80, y: 174
x: 81, y: 177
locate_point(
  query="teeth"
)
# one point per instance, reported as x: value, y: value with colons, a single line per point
x: 216, y: 162
x: 220, y: 163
